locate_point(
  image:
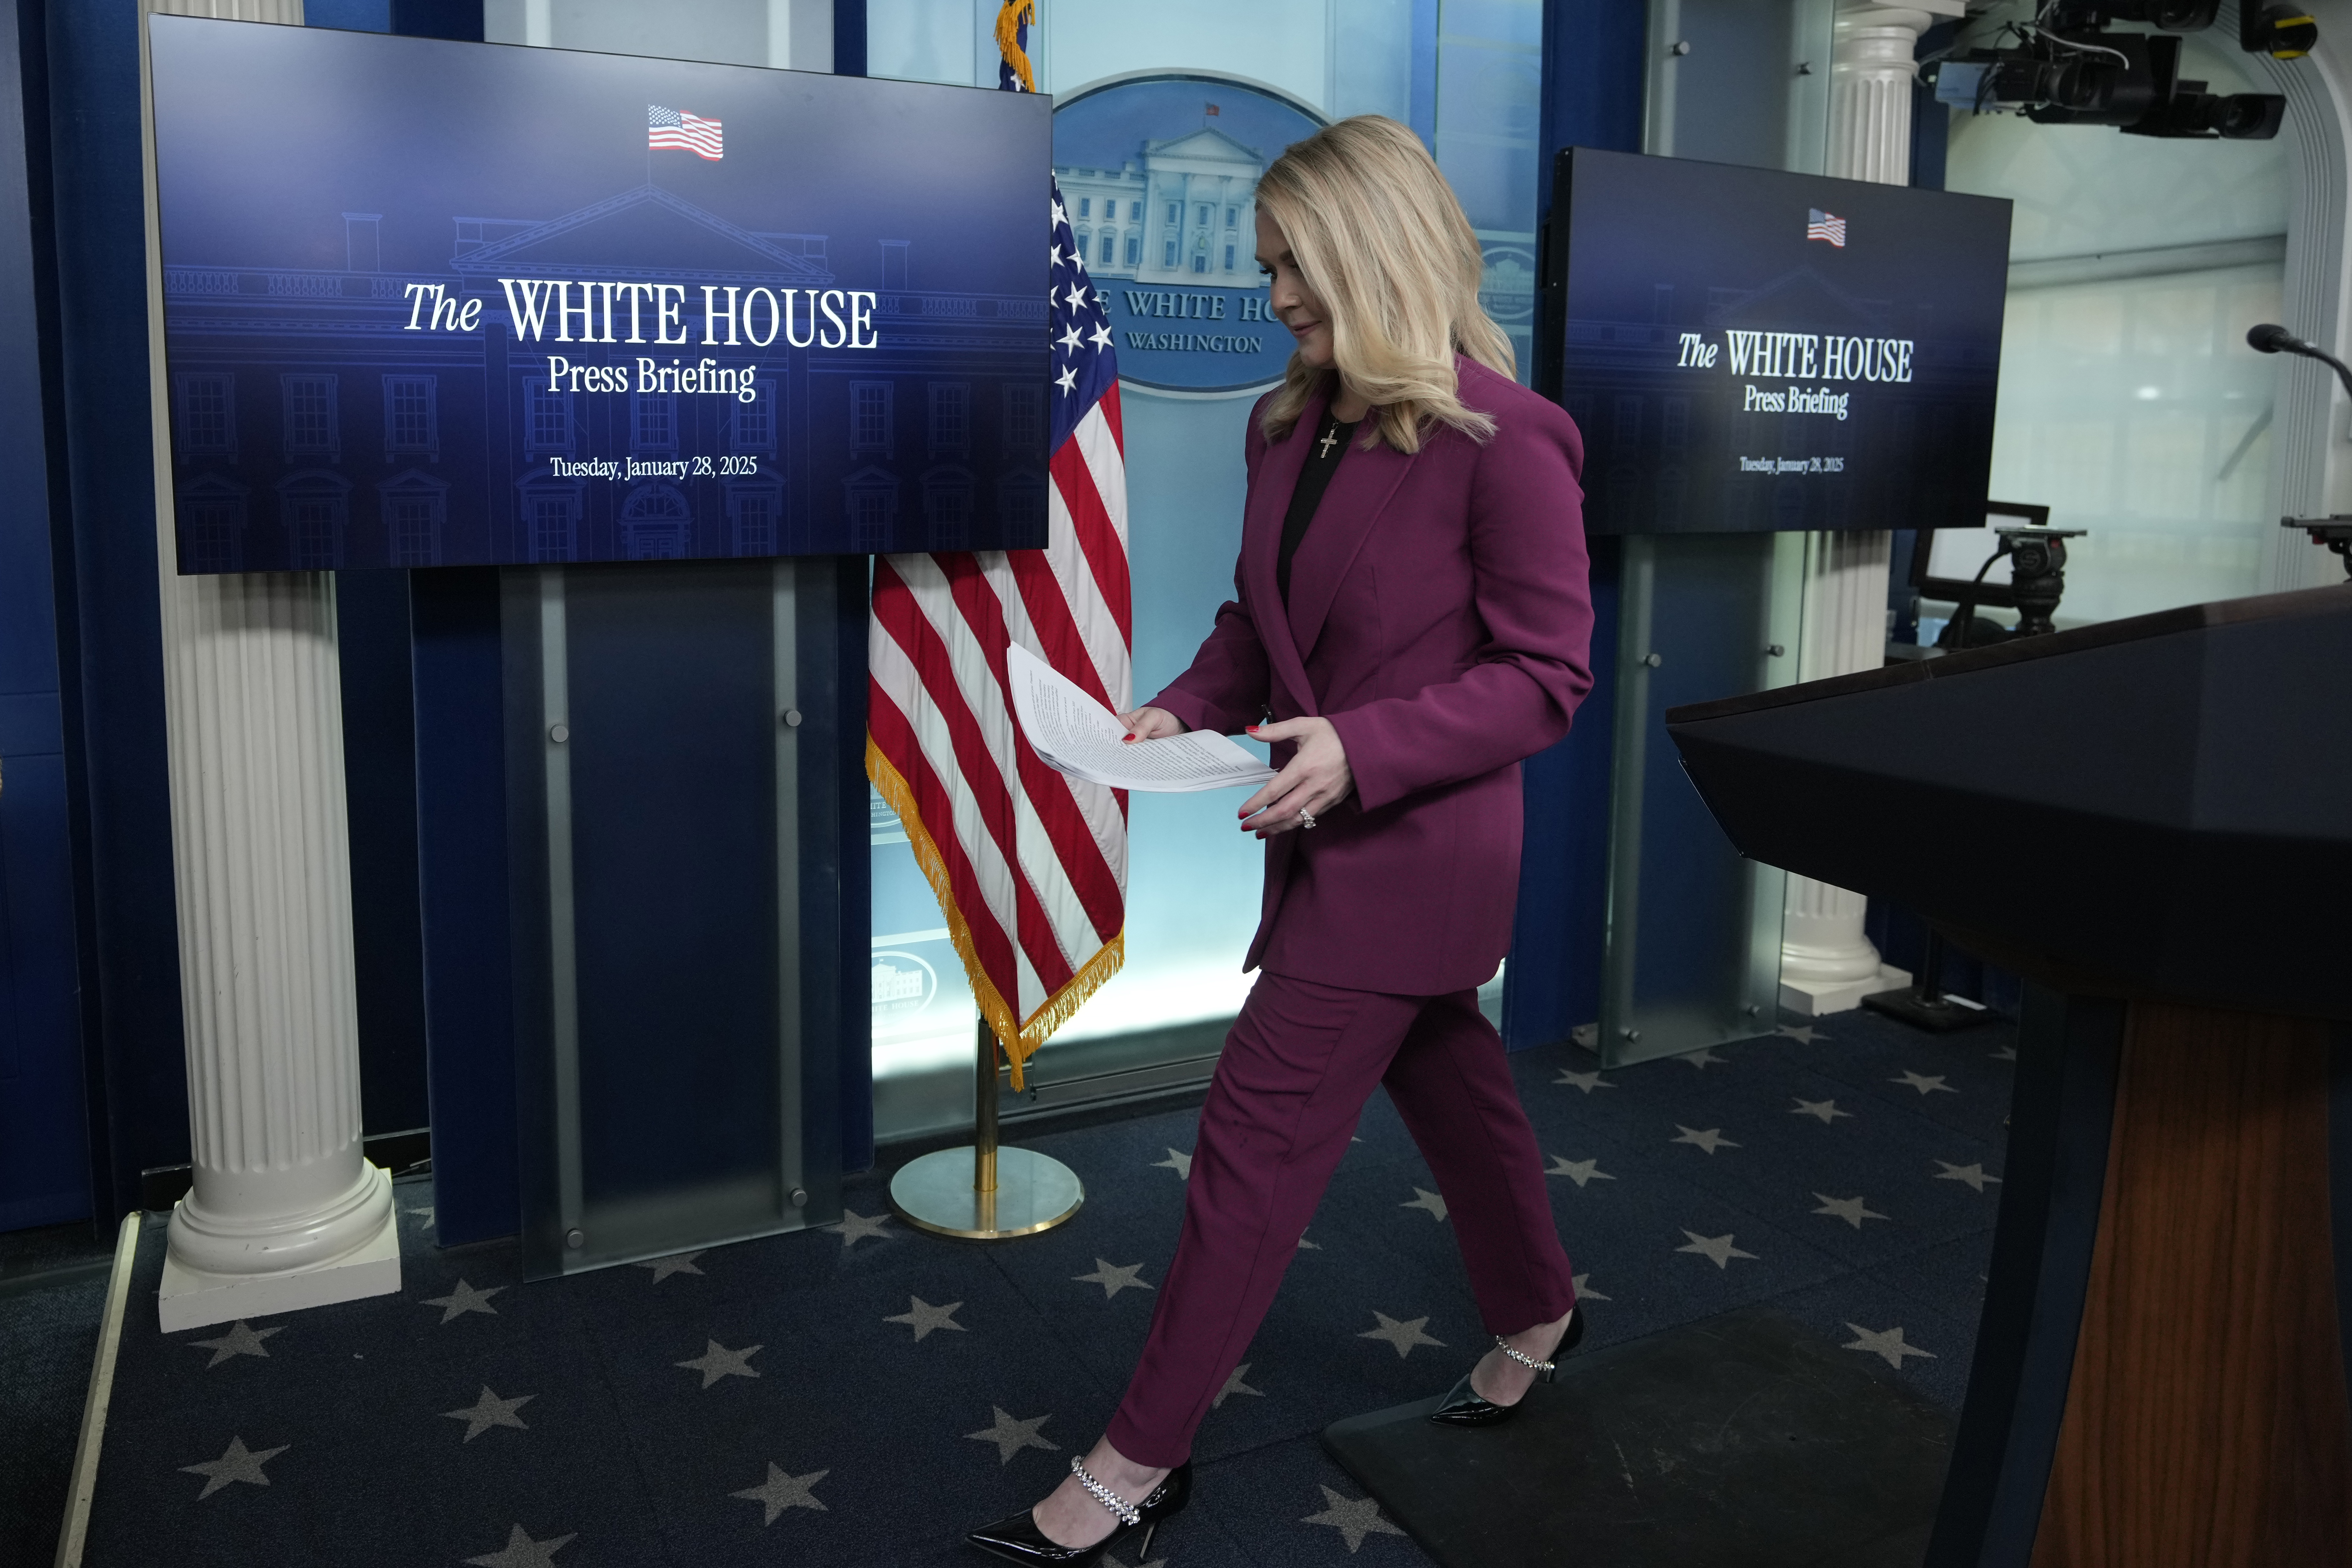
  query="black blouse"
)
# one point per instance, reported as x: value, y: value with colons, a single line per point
x: 1322, y: 461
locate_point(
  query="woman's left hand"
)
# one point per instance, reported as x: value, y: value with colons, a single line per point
x: 1315, y: 779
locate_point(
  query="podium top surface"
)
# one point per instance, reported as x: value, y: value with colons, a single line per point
x: 2162, y: 805
x: 2333, y: 600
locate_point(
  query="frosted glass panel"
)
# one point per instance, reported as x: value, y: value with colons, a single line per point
x: 1489, y: 96
x: 2135, y: 410
x: 933, y: 40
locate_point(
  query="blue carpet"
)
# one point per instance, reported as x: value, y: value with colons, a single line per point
x: 864, y: 1395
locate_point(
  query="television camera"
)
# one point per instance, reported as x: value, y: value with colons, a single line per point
x: 2067, y: 66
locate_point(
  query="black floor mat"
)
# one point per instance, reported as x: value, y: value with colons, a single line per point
x: 1745, y: 1439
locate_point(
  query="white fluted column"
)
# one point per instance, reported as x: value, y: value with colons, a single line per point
x: 284, y: 1211
x: 1827, y: 965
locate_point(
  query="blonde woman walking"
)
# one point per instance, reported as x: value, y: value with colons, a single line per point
x: 1411, y: 619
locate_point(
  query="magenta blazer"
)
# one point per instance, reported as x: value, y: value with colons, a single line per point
x: 1439, y: 617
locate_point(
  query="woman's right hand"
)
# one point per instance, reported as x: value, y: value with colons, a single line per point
x: 1151, y: 725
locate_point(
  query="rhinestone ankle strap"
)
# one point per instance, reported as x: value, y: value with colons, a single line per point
x: 1526, y: 1361
x: 1127, y: 1511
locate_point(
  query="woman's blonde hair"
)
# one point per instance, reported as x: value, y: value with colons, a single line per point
x: 1379, y: 234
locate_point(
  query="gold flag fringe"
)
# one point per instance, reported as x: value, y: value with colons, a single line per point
x: 1019, y: 1039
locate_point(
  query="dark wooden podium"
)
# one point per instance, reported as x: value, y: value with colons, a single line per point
x: 2151, y: 820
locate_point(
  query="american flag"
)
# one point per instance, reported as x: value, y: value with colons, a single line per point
x: 1029, y: 865
x: 1819, y: 224
x: 688, y: 133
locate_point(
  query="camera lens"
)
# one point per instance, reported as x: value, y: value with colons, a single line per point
x: 2249, y: 116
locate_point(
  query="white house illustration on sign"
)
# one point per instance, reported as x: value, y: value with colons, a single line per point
x: 1186, y: 214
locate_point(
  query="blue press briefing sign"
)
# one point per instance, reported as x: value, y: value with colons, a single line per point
x: 467, y: 303
x: 1748, y: 350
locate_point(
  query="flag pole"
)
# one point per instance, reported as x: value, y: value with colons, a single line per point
x: 984, y: 1109
x: 986, y: 1191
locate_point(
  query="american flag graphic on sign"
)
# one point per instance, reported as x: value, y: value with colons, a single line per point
x: 687, y: 132
x: 1819, y: 224
x: 1029, y: 865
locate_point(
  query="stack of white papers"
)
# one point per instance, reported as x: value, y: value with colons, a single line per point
x: 1078, y: 736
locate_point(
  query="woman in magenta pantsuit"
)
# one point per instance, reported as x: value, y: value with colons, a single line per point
x: 1411, y: 619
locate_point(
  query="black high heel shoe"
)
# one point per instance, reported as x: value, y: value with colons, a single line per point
x: 1018, y: 1539
x: 1465, y: 1407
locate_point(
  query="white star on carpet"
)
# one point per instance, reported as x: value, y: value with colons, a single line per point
x: 1353, y: 1518
x: 1233, y: 1386
x: 1974, y: 1175
x: 1011, y: 1436
x: 424, y: 1213
x: 464, y: 1299
x: 1178, y: 1162
x: 2004, y: 1053
x: 236, y: 1463
x: 1309, y: 1246
x: 922, y: 1317
x: 856, y: 1227
x: 1587, y: 1081
x: 1578, y: 1171
x: 1404, y: 1335
x: 1887, y: 1343
x: 1924, y: 1084
x: 1847, y: 1209
x: 1701, y: 1058
x: 522, y: 1551
x: 1113, y: 1277
x: 1710, y: 1140
x: 239, y: 1341
x: 1803, y: 1034
x: 1427, y: 1200
x: 677, y: 1263
x: 1585, y: 1293
x: 716, y: 1361
x: 780, y: 1491
x: 1715, y: 1249
x: 490, y: 1411
x: 1827, y: 1110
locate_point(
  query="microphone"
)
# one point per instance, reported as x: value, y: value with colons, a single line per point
x: 2269, y: 338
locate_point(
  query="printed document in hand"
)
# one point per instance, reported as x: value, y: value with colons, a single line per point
x: 1078, y: 736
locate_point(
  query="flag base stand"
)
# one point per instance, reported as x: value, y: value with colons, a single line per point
x: 983, y: 1193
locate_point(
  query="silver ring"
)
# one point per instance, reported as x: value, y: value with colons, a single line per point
x: 1305, y: 817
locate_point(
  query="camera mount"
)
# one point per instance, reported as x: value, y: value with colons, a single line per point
x: 2067, y: 66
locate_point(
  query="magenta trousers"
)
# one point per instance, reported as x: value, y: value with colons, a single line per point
x: 1297, y: 1068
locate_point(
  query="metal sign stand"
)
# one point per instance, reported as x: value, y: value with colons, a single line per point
x: 985, y: 1193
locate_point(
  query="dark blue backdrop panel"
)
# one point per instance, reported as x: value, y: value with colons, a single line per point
x: 836, y: 893
x: 675, y: 906
x: 462, y: 879
x: 380, y: 789
x: 1592, y: 77
x: 673, y: 777
x: 85, y: 154
x: 461, y: 308
x: 1552, y: 982
x: 44, y: 1147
